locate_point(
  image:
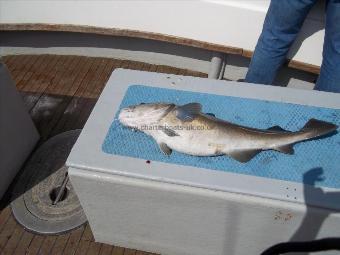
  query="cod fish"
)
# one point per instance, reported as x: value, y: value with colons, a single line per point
x: 187, y: 130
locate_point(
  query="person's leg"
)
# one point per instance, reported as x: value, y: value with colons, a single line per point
x: 281, y: 26
x: 329, y: 79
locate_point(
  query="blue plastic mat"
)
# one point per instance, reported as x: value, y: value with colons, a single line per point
x: 321, y: 153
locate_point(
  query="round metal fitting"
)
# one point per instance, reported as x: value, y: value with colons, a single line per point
x: 43, y: 199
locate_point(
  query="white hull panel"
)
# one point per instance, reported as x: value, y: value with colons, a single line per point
x: 229, y: 23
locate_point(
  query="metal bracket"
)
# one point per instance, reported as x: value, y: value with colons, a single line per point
x: 217, y: 66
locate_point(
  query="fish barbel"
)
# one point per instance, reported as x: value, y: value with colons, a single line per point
x: 186, y: 129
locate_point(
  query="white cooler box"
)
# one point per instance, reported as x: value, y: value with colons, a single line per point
x: 136, y: 197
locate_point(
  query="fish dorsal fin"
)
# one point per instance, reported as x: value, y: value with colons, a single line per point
x: 210, y: 114
x: 165, y: 148
x: 287, y: 149
x: 244, y: 155
x: 277, y: 128
x: 188, y: 112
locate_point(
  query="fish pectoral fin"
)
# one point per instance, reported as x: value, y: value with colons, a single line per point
x: 169, y: 132
x: 277, y: 128
x: 287, y: 149
x: 165, y: 148
x: 244, y: 155
x: 188, y: 112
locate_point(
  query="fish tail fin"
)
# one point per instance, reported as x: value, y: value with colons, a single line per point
x: 313, y: 129
x: 316, y: 128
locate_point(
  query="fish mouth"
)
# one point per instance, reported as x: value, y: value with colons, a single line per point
x: 133, y: 117
x: 125, y: 117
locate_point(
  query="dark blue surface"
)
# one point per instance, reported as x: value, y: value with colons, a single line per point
x: 323, y: 153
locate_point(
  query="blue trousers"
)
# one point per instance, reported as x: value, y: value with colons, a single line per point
x: 281, y: 26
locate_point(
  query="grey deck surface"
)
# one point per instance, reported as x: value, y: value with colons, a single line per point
x: 60, y: 92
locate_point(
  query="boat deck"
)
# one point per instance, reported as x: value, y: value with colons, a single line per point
x: 60, y: 92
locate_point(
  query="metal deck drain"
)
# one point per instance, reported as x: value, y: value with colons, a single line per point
x: 44, y: 200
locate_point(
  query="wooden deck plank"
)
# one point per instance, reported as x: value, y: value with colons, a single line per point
x: 76, y: 77
x: 14, y: 64
x: 64, y: 78
x: 73, y: 241
x: 117, y: 63
x: 25, y: 242
x: 18, y: 71
x: 60, y: 244
x: 102, y: 80
x: 28, y: 80
x: 95, y: 80
x: 35, y: 245
x: 106, y: 249
x: 47, y: 244
x: 136, y: 65
x: 146, y: 67
x: 52, y: 103
x: 79, y: 89
x: 98, y: 85
x: 125, y: 64
x: 38, y: 70
x: 118, y: 250
x: 129, y: 251
x: 6, y: 59
x: 7, y: 232
x: 32, y: 72
x: 4, y: 216
x: 45, y: 77
x: 83, y: 95
x: 9, y: 60
x: 13, y: 241
x: 182, y: 72
x: 36, y: 85
x: 85, y: 99
x: 94, y: 248
x: 66, y: 122
x: 84, y: 241
x: 65, y: 90
x: 26, y: 72
x: 152, y: 68
x: 57, y: 76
